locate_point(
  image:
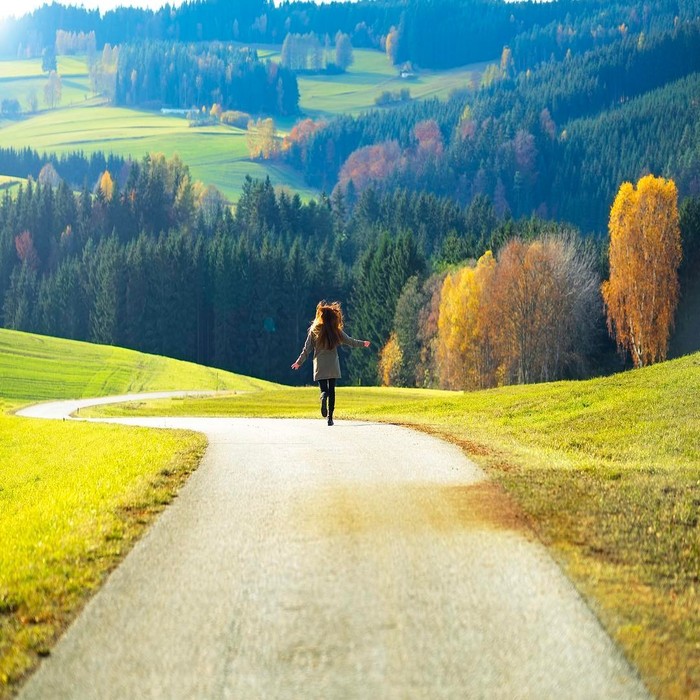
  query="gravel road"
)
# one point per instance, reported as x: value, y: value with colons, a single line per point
x: 358, y: 561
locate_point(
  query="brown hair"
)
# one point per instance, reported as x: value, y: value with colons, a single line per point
x: 327, y: 327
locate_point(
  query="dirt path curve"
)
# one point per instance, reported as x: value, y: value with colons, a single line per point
x: 358, y: 561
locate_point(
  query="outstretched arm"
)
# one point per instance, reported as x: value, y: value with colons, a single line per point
x: 347, y: 340
x: 308, y: 348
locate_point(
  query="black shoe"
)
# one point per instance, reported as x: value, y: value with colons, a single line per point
x: 324, y: 404
x: 330, y: 420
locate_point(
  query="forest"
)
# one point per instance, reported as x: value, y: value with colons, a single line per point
x: 158, y: 264
x: 431, y: 33
x: 543, y: 142
x: 157, y: 74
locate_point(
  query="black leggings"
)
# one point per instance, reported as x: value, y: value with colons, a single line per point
x: 328, y: 388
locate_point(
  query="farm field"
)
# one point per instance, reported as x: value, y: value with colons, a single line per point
x: 18, y: 79
x: 369, y: 76
x: 216, y: 155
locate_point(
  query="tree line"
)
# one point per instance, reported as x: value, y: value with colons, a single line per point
x: 533, y: 311
x: 433, y: 34
x: 181, y: 75
x: 76, y: 168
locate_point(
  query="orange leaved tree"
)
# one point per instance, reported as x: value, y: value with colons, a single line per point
x: 645, y: 252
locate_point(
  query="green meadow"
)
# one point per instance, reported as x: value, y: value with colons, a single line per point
x: 606, y: 472
x: 216, y: 155
x: 35, y: 368
x: 74, y: 497
x: 20, y: 78
x: 370, y: 75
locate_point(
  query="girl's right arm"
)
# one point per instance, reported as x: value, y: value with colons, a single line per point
x: 306, y: 351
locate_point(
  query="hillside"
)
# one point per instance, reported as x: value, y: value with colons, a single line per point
x: 533, y: 143
x: 217, y: 154
x: 35, y: 368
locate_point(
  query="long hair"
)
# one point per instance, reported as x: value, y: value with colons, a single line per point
x: 327, y: 325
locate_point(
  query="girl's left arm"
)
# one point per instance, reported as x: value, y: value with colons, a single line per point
x: 347, y: 340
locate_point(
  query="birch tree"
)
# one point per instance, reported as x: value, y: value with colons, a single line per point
x: 641, y: 294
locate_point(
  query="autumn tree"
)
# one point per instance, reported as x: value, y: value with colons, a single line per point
x: 343, y: 51
x: 392, y: 45
x: 390, y: 361
x: 641, y: 294
x: 53, y: 90
x: 262, y: 138
x: 370, y: 163
x: 106, y: 185
x: 465, y: 353
x: 26, y: 251
x: 507, y: 62
x: 48, y: 176
x: 543, y: 307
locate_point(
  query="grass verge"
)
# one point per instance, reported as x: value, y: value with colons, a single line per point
x: 607, y: 472
x: 74, y: 497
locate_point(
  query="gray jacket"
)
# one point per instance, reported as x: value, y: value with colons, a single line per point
x: 326, y: 362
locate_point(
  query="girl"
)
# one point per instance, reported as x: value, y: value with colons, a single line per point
x: 325, y: 335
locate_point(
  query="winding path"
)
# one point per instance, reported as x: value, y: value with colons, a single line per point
x: 359, y: 561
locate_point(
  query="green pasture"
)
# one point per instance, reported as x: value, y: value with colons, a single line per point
x: 216, y: 155
x: 31, y: 67
x: 606, y: 471
x: 74, y: 496
x: 34, y: 368
x: 19, y: 78
x: 368, y: 77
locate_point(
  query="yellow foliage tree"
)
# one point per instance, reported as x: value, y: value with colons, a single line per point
x: 390, y: 358
x: 464, y: 347
x: 107, y: 185
x: 392, y: 44
x: 645, y: 251
x: 262, y: 138
x: 507, y: 62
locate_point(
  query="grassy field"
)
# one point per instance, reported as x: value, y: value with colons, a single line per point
x: 18, y: 79
x: 74, y: 497
x: 370, y: 75
x: 606, y: 471
x: 216, y: 155
x: 36, y: 368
